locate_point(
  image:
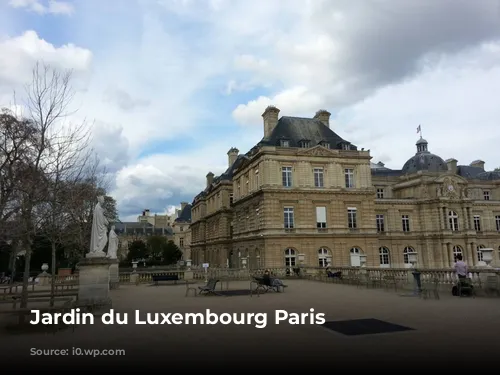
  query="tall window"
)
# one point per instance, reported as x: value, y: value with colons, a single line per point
x: 477, y: 223
x: 286, y: 175
x: 406, y: 258
x: 290, y: 258
x: 351, y: 218
x: 257, y: 182
x: 231, y: 197
x: 323, y: 257
x: 405, y: 221
x: 486, y: 195
x: 320, y: 217
x: 480, y: 253
x: 288, y: 219
x: 318, y: 177
x: 349, y: 178
x: 457, y: 250
x: 497, y: 222
x: 181, y: 242
x: 385, y: 260
x: 380, y: 193
x: 380, y: 223
x: 453, y: 220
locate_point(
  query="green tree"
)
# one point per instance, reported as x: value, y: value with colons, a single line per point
x: 156, y: 246
x: 496, y: 170
x: 171, y: 253
x: 137, y: 249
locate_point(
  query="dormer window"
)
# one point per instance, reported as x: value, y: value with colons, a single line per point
x: 325, y: 144
x: 304, y: 144
x: 346, y: 146
x: 285, y: 143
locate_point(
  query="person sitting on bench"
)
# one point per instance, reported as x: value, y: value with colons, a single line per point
x: 461, y: 268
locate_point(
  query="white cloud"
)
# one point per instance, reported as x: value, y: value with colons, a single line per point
x: 372, y: 64
x: 37, y: 6
x: 19, y: 54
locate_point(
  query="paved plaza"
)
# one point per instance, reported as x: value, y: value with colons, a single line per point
x: 442, y: 329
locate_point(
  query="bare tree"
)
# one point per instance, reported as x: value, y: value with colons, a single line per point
x: 59, y: 154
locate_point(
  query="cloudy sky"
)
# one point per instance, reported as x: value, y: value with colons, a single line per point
x: 171, y: 85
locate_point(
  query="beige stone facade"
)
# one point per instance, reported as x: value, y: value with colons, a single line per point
x: 182, y: 231
x: 305, y: 195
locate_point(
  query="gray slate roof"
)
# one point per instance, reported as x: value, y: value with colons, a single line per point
x: 423, y: 160
x: 185, y: 215
x: 296, y: 129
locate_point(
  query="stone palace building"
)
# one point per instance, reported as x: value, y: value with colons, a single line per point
x: 305, y: 195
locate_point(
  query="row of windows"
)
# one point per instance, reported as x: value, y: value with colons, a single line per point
x: 319, y: 179
x: 453, y: 223
x: 381, y: 194
x: 324, y: 255
x: 307, y: 144
x: 352, y: 219
x: 352, y: 222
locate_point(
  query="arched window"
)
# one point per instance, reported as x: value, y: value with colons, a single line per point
x: 408, y: 250
x: 356, y: 253
x: 323, y: 257
x: 480, y: 253
x: 290, y: 258
x: 457, y: 250
x: 385, y: 260
x: 453, y: 220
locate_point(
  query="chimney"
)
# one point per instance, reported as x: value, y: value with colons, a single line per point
x: 210, y: 179
x: 270, y: 117
x: 232, y: 155
x: 478, y: 164
x: 324, y: 116
x: 183, y: 204
x: 452, y: 165
x: 145, y: 212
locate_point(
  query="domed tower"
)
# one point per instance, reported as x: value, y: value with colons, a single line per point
x: 423, y: 160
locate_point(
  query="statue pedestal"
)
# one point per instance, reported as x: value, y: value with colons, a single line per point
x: 114, y: 276
x: 94, y: 280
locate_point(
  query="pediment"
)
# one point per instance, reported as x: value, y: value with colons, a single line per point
x: 318, y: 151
x: 452, y: 186
x: 448, y: 179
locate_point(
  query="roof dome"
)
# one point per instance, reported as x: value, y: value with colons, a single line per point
x: 423, y: 160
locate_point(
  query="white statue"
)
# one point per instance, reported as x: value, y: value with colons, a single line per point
x: 99, y: 237
x: 113, y: 243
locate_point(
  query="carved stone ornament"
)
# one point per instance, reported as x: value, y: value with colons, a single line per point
x: 424, y: 191
x: 450, y: 188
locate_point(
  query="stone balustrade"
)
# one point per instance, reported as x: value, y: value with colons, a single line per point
x: 445, y: 276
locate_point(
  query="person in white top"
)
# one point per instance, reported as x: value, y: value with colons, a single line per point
x: 461, y: 268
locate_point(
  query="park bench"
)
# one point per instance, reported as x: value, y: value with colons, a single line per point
x: 157, y: 277
x: 209, y: 288
x: 266, y: 286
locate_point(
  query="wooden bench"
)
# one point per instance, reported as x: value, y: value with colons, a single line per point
x: 164, y: 277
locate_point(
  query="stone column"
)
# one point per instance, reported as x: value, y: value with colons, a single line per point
x: 94, y: 281
x: 465, y: 221
x: 450, y: 255
x: 446, y: 256
x: 440, y: 215
x: 472, y: 255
